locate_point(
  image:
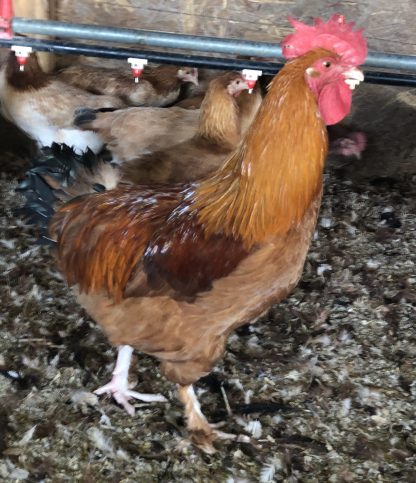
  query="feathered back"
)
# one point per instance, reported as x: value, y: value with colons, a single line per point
x: 102, y: 238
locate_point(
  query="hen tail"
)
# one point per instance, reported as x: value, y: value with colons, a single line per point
x: 58, y: 175
x: 84, y: 117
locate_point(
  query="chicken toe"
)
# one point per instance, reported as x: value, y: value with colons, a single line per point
x: 118, y: 386
x: 201, y: 433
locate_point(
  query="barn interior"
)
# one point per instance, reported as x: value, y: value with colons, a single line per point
x: 323, y: 384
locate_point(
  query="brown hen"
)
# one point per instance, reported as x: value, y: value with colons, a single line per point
x: 226, y: 112
x: 42, y: 106
x: 158, y: 85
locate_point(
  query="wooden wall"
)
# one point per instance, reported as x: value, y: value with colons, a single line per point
x: 389, y: 25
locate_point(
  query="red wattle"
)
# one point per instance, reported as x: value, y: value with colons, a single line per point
x: 335, y: 102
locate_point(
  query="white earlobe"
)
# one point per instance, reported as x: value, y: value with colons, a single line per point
x: 311, y: 72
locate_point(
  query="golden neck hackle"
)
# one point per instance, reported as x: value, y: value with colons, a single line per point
x: 265, y: 188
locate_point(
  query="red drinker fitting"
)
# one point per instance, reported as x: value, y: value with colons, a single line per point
x: 137, y: 67
x: 251, y: 77
x: 22, y: 53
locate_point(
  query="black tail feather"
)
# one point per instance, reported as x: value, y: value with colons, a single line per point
x: 39, y: 205
x: 60, y: 163
x: 53, y: 170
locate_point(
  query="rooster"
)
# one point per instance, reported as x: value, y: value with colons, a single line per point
x: 137, y: 131
x: 158, y: 86
x: 171, y: 271
x: 42, y: 106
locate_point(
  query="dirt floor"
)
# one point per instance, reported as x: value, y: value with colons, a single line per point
x: 325, y: 383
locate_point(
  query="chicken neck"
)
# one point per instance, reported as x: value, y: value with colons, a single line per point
x: 219, y: 120
x: 266, y: 186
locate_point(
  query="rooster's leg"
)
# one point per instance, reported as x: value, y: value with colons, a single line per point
x: 202, y: 433
x: 118, y: 386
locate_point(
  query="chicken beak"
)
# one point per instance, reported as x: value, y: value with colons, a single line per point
x: 236, y: 89
x: 246, y: 86
x: 353, y: 77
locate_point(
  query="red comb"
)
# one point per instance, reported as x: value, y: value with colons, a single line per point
x: 335, y: 35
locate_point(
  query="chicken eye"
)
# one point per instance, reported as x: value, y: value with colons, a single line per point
x: 327, y: 64
x: 237, y: 82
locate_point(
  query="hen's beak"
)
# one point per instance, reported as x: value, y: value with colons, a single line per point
x: 353, y: 77
x: 243, y: 86
x: 236, y: 89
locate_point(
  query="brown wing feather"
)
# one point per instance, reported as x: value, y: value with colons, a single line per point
x: 184, y: 257
x: 138, y: 242
x: 101, y: 237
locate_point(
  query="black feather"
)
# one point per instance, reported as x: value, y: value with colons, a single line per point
x: 84, y: 115
x: 39, y: 206
x: 109, y: 109
x: 59, y: 163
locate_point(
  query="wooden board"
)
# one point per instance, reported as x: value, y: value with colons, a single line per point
x: 389, y: 25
